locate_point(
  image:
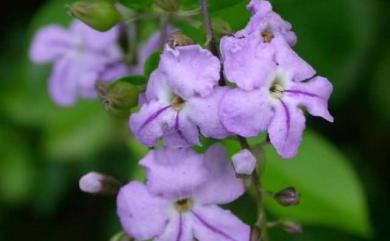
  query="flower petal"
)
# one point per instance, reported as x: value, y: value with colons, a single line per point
x: 142, y: 215
x: 174, y: 173
x: 289, y: 61
x: 222, y: 186
x: 286, y: 128
x: 63, y: 81
x: 246, y: 113
x: 191, y: 70
x: 313, y: 94
x: 98, y: 41
x: 50, y: 43
x: 204, y: 113
x: 148, y: 124
x: 212, y: 223
x: 183, y: 133
x: 263, y: 18
x: 179, y: 228
x: 157, y: 88
x: 246, y: 61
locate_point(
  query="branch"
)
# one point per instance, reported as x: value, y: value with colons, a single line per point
x: 211, y: 43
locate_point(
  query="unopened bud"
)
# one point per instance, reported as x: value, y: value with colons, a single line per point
x: 291, y: 227
x: 179, y: 39
x: 119, y: 97
x: 244, y: 163
x: 287, y: 197
x: 168, y: 5
x: 99, y: 184
x: 100, y: 15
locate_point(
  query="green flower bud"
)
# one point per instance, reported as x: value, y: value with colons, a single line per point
x: 119, y: 97
x: 179, y: 39
x: 100, y: 15
x: 168, y: 5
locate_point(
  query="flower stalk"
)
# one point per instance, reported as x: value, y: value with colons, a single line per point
x: 261, y: 222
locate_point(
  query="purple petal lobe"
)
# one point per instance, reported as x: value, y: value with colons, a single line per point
x: 246, y: 62
x: 204, y: 113
x: 179, y: 228
x: 147, y: 124
x: 286, y: 128
x: 174, y: 173
x: 246, y: 113
x: 50, y: 43
x: 190, y: 70
x: 221, y: 177
x: 213, y: 223
x: 142, y: 215
x: 290, y: 62
x: 183, y: 133
x: 313, y: 95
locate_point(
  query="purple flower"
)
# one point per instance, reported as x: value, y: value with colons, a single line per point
x: 247, y: 56
x: 276, y: 105
x: 182, y: 97
x: 80, y: 56
x: 265, y: 24
x: 180, y: 200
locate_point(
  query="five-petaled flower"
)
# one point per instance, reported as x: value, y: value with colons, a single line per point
x: 80, y: 55
x: 180, y: 199
x: 182, y: 96
x: 274, y: 83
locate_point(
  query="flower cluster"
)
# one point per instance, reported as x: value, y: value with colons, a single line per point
x: 268, y: 85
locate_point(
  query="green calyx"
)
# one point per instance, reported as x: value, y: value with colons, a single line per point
x: 119, y: 97
x: 100, y: 15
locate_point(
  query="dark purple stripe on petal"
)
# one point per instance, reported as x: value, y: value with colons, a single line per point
x: 153, y: 117
x: 177, y: 128
x: 288, y: 117
x: 180, y: 229
x: 212, y: 228
x: 300, y: 92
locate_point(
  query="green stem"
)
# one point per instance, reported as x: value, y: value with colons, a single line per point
x: 261, y: 222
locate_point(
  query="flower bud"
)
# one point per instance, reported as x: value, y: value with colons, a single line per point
x: 119, y: 97
x: 100, y: 15
x: 287, y: 197
x: 290, y: 227
x: 168, y: 5
x: 99, y: 184
x: 179, y: 39
x: 244, y: 162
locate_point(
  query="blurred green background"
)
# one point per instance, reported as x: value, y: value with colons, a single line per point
x: 341, y: 171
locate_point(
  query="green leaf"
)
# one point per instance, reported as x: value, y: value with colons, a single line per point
x: 331, y: 192
x: 135, y: 80
x: 379, y: 93
x: 152, y: 63
x: 215, y: 5
x: 77, y: 133
x: 17, y: 171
